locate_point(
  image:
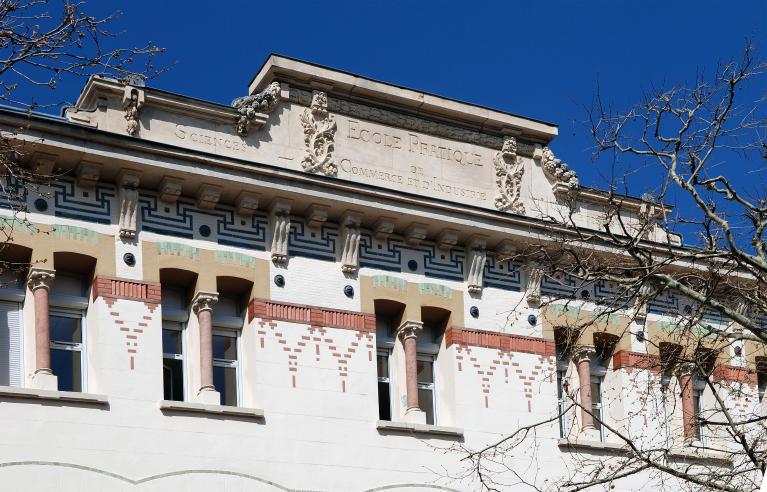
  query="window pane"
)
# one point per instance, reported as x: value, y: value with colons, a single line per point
x: 173, y: 379
x: 426, y: 402
x: 596, y: 392
x: 383, y: 366
x: 65, y: 329
x: 224, y: 347
x: 171, y: 342
x: 597, y: 412
x: 225, y: 381
x: 65, y: 364
x: 425, y: 372
x: 384, y: 401
x: 227, y: 306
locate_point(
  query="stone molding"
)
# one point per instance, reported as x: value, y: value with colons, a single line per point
x: 312, y: 315
x: 208, y: 409
x: 204, y: 301
x: 415, y: 428
x: 40, y: 278
x: 505, y: 342
x: 408, y: 122
x: 319, y: 136
x: 64, y: 397
x: 508, y: 178
x: 409, y: 329
x: 129, y: 289
x: 250, y: 107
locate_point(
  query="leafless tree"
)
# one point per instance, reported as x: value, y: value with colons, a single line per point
x: 704, y: 146
x: 41, y: 43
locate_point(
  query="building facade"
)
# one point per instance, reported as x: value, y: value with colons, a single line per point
x: 310, y: 289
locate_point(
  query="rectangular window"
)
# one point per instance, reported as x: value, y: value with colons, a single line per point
x: 596, y: 405
x: 10, y: 344
x: 226, y: 366
x: 425, y: 370
x: 67, y: 348
x: 384, y: 385
x: 562, y: 402
x: 173, y: 360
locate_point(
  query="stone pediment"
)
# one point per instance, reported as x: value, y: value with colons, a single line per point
x: 324, y: 122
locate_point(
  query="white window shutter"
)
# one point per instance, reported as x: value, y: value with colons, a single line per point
x: 10, y: 344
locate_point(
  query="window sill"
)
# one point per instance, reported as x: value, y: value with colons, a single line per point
x: 583, y: 444
x: 48, y: 395
x: 434, y: 430
x: 202, y: 408
x: 699, y: 454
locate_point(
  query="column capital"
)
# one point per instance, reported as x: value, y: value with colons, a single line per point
x: 409, y: 329
x: 685, y: 369
x: 40, y: 278
x: 583, y: 353
x: 204, y: 301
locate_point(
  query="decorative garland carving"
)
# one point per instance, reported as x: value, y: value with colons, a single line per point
x: 248, y: 106
x: 558, y: 171
x: 407, y: 122
x: 319, y: 134
x: 508, y: 177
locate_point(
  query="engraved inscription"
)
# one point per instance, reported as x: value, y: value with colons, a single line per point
x: 218, y: 143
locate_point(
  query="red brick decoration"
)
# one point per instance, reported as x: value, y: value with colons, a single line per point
x: 507, y: 345
x: 318, y: 320
x: 111, y: 289
x: 734, y: 374
x: 628, y: 361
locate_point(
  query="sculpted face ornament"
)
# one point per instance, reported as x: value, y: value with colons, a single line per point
x: 508, y: 178
x: 319, y: 136
x: 248, y: 106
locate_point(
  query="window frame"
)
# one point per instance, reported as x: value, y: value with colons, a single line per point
x: 81, y: 347
x: 184, y: 346
x: 431, y: 358
x: 382, y: 351
x: 598, y: 408
x: 698, y: 389
x: 562, y: 402
x: 232, y: 333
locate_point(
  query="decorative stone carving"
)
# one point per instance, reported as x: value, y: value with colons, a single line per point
x: 508, y: 178
x: 391, y: 118
x: 641, y: 301
x: 204, y: 301
x: 208, y: 196
x: 447, y: 239
x: 170, y: 189
x: 250, y: 106
x: 42, y: 163
x: 133, y: 100
x: 128, y: 182
x: 383, y: 227
x: 88, y: 174
x: 317, y: 214
x: 477, y: 258
x: 319, y: 136
x: 246, y: 203
x: 505, y: 249
x: 350, y: 240
x: 40, y: 278
x: 533, y: 290
x: 582, y: 353
x: 279, y: 220
x: 565, y: 180
x: 409, y: 329
x: 415, y: 233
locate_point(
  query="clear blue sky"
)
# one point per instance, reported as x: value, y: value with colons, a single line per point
x: 538, y: 59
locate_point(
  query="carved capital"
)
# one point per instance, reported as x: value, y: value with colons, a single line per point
x: 685, y: 369
x: 40, y: 278
x: 250, y: 107
x: 409, y: 329
x: 583, y: 353
x: 204, y: 301
x: 319, y: 136
x: 509, y: 169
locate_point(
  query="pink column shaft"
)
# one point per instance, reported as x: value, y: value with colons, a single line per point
x: 411, y: 372
x: 42, y: 331
x: 584, y: 378
x: 688, y: 409
x: 205, y: 319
